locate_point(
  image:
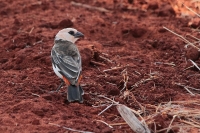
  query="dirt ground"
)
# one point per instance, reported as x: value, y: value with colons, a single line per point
x: 125, y: 41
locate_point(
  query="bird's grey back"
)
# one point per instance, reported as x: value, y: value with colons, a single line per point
x: 67, y: 57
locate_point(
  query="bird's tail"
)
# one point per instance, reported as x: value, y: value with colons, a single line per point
x: 75, y: 93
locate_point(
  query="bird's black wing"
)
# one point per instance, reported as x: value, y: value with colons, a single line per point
x: 66, y: 58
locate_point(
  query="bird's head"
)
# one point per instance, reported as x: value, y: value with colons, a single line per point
x: 68, y: 34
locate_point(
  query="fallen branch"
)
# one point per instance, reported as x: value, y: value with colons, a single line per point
x: 135, y: 124
x: 100, y: 9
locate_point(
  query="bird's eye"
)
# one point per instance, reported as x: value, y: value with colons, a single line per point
x: 71, y: 32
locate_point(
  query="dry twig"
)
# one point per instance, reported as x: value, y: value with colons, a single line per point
x: 169, y: 127
x: 143, y: 81
x: 126, y: 77
x: 106, y: 108
x: 186, y: 88
x: 100, y: 9
x: 31, y: 30
x: 97, y: 63
x: 194, y: 64
x: 191, y: 10
x: 112, y: 69
x: 190, y: 123
x: 105, y: 123
x: 35, y: 94
x: 170, y: 64
x: 185, y: 40
x: 106, y: 59
x: 117, y: 124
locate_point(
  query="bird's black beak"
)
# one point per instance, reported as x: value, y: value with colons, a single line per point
x: 78, y: 35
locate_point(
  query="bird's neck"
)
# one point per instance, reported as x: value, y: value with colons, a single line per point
x: 62, y: 41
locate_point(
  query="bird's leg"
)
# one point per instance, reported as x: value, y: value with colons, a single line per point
x: 61, y: 84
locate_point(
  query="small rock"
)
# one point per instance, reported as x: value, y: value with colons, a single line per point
x: 138, y: 31
x: 49, y: 25
x: 86, y: 55
x: 47, y: 97
x: 114, y: 91
x: 194, y: 23
x: 16, y: 22
x: 166, y: 10
x: 86, y: 97
x: 192, y: 54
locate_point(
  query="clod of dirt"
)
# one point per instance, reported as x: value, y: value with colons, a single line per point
x: 194, y: 23
x: 49, y: 25
x: 192, y: 53
x: 86, y: 97
x: 107, y: 130
x: 35, y: 122
x: 166, y: 10
x: 87, y: 50
x: 159, y: 122
x: 47, y: 97
x: 130, y: 1
x: 114, y: 91
x: 86, y: 55
x: 16, y: 22
x: 152, y: 6
x: 162, y: 30
x: 65, y: 23
x: 4, y: 60
x: 138, y: 31
x: 39, y: 113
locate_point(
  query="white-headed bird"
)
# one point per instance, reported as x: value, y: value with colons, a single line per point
x: 66, y: 62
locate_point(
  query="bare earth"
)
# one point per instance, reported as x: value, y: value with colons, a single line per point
x: 130, y: 37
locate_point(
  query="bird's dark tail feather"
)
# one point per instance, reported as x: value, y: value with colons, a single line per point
x: 75, y: 93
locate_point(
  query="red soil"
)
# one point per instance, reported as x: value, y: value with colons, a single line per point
x: 133, y: 39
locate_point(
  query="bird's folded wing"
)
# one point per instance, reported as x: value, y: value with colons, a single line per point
x: 69, y: 67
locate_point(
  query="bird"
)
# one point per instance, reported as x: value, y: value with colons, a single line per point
x: 66, y: 63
